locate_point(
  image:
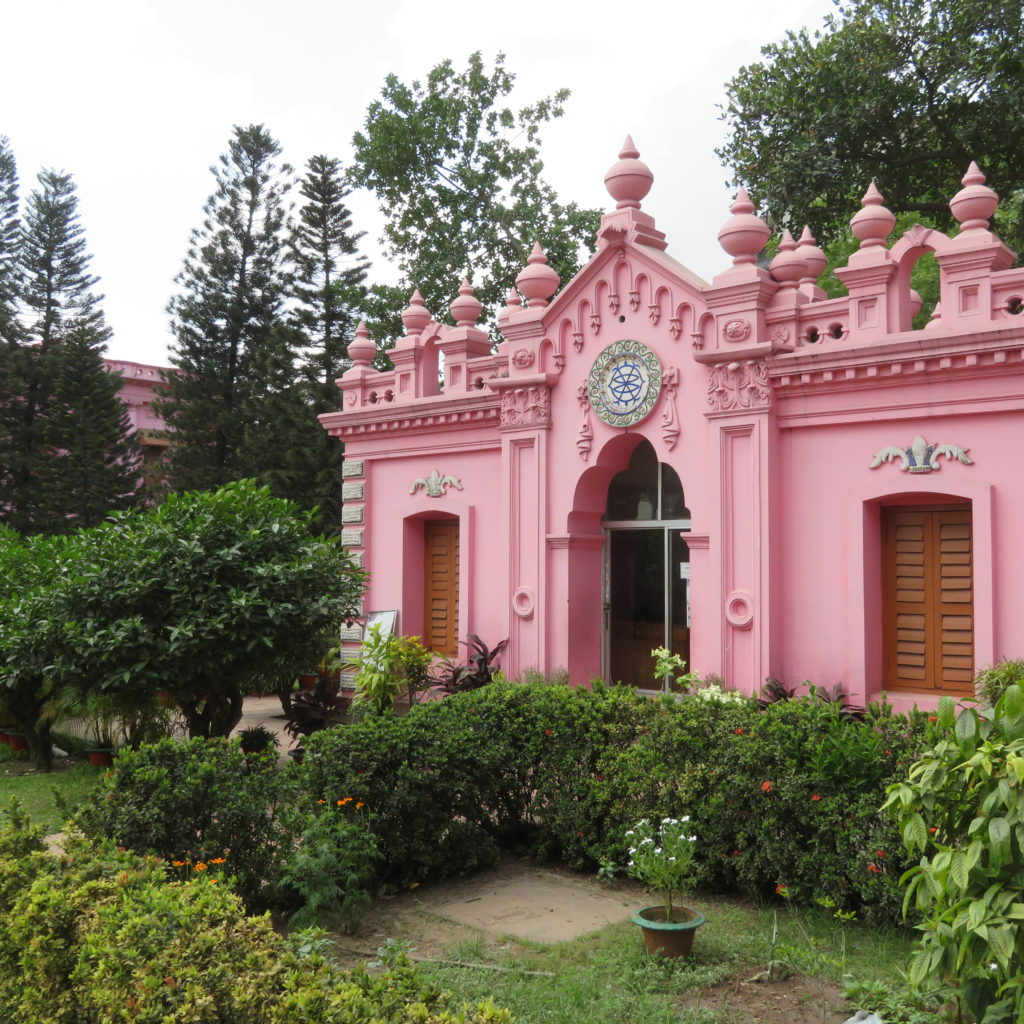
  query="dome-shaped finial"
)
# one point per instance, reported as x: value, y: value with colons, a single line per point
x: 788, y: 266
x: 537, y: 282
x: 513, y: 304
x: 629, y: 180
x: 744, y: 234
x: 813, y: 257
x: 361, y: 349
x: 873, y: 222
x: 975, y: 203
x: 467, y: 307
x: 416, y: 316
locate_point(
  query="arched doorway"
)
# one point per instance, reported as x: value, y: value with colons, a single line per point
x: 647, y: 569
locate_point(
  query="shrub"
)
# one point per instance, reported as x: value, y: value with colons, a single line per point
x: 992, y: 682
x: 101, y: 935
x: 961, y: 811
x: 199, y: 799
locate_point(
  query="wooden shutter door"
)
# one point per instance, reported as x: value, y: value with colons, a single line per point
x: 441, y: 576
x: 928, y: 600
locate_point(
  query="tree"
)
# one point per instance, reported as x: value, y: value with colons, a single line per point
x: 458, y: 179
x: 94, y: 462
x: 204, y: 596
x: 60, y: 318
x: 902, y: 92
x: 10, y: 244
x: 330, y: 292
x: 231, y: 349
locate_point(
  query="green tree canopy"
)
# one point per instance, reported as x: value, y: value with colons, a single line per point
x: 203, y: 596
x: 458, y: 178
x: 899, y: 91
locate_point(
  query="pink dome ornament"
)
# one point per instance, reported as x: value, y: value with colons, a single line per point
x: 362, y: 349
x: 873, y: 222
x: 629, y: 180
x: 513, y: 304
x: 416, y: 316
x: 788, y: 266
x: 975, y: 203
x: 813, y: 257
x: 537, y: 282
x: 466, y: 309
x: 744, y: 234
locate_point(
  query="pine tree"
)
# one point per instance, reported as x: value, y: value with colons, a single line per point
x: 57, y: 303
x: 10, y: 243
x: 330, y: 291
x: 93, y: 467
x: 230, y: 350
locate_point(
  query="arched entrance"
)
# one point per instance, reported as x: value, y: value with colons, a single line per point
x: 647, y: 569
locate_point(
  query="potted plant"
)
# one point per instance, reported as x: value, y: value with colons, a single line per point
x: 661, y: 856
x: 256, y: 739
x: 388, y: 666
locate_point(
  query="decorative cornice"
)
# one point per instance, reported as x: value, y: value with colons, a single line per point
x: 420, y: 417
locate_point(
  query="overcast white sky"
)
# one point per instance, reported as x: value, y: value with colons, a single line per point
x: 137, y: 98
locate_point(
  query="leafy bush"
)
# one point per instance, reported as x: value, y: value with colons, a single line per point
x: 992, y: 682
x: 199, y: 799
x: 789, y: 796
x: 101, y: 935
x: 962, y: 812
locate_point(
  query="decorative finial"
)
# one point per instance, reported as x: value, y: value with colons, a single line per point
x: 630, y: 179
x: 975, y: 203
x: 513, y: 304
x: 537, y: 282
x: 813, y: 257
x: 361, y: 349
x: 466, y: 308
x: 873, y: 222
x: 789, y: 266
x: 416, y: 316
x: 744, y: 234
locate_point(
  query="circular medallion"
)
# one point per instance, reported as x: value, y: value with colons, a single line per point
x: 624, y: 383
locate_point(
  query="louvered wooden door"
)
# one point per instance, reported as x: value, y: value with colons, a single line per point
x: 441, y: 576
x: 928, y: 599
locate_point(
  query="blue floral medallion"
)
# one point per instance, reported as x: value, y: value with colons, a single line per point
x: 624, y: 383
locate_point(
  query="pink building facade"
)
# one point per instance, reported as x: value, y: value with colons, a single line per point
x: 767, y: 481
x: 139, y: 382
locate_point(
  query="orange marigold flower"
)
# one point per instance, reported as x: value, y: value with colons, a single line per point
x: 766, y: 787
x: 360, y: 804
x: 177, y: 863
x: 321, y: 801
x: 217, y: 860
x: 933, y: 718
x: 815, y: 797
x: 200, y: 866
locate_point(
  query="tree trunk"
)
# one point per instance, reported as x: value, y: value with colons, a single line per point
x: 217, y: 714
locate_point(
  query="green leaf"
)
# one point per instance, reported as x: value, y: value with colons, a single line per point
x: 915, y: 833
x: 999, y: 841
x: 959, y: 871
x: 1000, y: 941
x: 966, y: 730
x: 946, y: 712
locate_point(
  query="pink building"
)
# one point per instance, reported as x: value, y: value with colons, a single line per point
x: 763, y: 479
x: 138, y: 389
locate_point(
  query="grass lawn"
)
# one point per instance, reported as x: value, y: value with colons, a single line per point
x: 71, y: 777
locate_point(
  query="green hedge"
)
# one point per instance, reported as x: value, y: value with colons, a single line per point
x: 102, y: 935
x: 788, y: 796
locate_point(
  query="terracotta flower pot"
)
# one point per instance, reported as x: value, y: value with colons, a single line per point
x: 16, y: 741
x: 673, y: 937
x: 101, y: 758
x: 308, y: 681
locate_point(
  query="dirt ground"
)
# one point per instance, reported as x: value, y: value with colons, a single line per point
x: 521, y: 903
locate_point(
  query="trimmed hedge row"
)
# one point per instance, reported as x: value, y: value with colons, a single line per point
x: 785, y: 797
x: 100, y: 934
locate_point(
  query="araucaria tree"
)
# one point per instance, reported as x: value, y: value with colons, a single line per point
x: 900, y: 91
x: 458, y: 178
x: 329, y: 292
x: 233, y: 351
x: 57, y: 337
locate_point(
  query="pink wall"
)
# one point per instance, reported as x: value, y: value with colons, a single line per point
x: 769, y: 400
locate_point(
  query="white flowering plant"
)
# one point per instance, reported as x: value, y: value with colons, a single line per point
x: 661, y: 856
